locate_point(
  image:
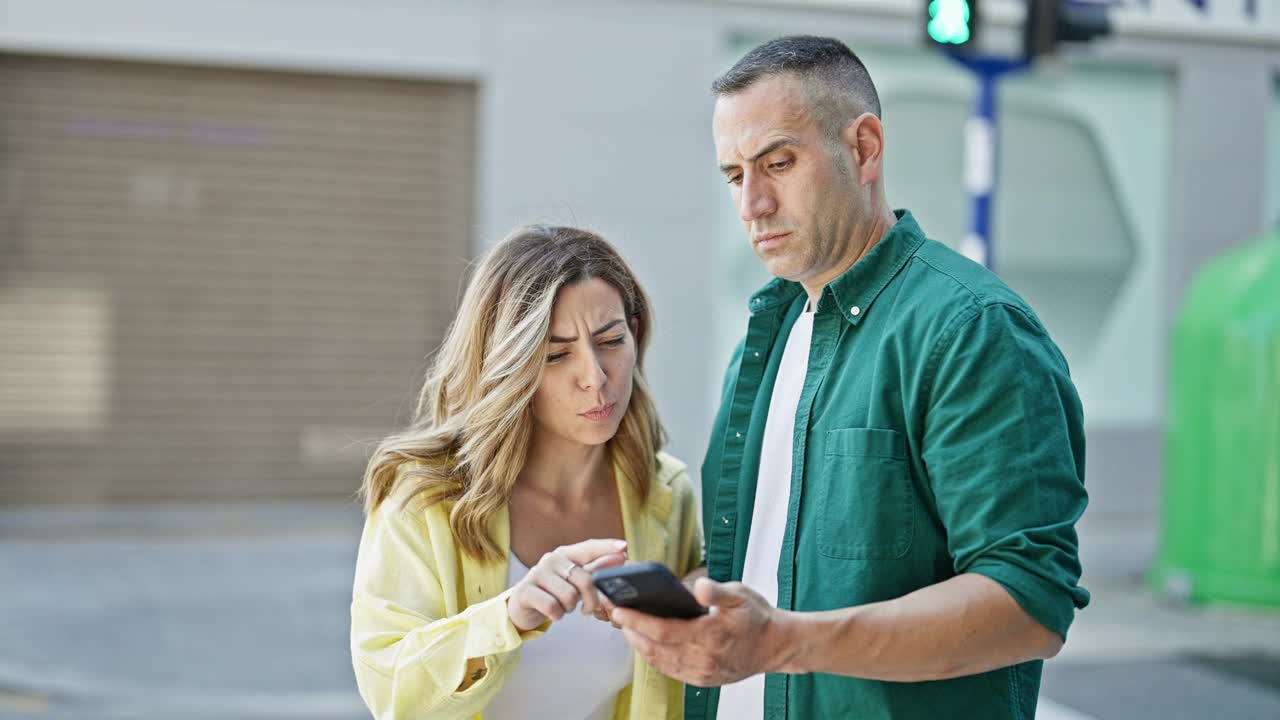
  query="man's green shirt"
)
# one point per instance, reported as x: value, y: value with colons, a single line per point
x: 938, y: 433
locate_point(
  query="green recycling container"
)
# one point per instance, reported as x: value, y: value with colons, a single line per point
x: 1220, y: 521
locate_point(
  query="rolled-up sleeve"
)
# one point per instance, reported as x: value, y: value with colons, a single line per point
x: 410, y: 659
x: 1003, y: 450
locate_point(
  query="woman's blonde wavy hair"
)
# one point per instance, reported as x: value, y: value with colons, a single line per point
x: 472, y: 424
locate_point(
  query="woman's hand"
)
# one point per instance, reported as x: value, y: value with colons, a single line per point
x: 562, y: 579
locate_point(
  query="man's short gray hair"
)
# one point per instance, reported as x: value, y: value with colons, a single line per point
x: 836, y: 82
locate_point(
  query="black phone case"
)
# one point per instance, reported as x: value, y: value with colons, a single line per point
x: 650, y: 588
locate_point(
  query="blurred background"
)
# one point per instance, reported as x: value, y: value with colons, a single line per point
x: 231, y: 234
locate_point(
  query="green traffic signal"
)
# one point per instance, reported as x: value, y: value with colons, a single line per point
x: 949, y: 21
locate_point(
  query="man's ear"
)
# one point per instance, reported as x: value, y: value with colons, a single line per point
x: 865, y: 139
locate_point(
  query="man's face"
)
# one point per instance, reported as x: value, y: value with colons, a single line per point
x: 794, y: 190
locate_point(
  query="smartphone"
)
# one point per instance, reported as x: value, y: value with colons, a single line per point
x: 650, y: 588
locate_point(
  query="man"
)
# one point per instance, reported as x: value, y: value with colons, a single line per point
x: 897, y: 466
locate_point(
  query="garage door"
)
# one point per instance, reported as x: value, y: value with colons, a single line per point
x: 218, y: 284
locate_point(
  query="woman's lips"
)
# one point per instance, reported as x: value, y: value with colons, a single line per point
x: 599, y: 414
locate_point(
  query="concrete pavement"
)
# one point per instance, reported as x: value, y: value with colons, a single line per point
x: 235, y: 613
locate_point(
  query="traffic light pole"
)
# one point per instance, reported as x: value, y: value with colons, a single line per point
x: 981, y: 150
x: 953, y: 26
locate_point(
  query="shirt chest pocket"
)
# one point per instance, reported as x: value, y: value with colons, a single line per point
x: 865, y: 500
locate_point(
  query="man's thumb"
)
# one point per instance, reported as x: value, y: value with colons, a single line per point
x: 710, y: 593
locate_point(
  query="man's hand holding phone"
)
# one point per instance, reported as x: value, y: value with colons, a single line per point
x: 741, y: 635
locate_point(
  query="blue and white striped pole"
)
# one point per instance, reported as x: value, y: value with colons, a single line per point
x: 981, y: 153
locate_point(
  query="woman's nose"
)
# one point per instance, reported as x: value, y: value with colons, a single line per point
x: 592, y: 376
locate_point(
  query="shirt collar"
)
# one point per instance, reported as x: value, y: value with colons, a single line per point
x: 853, y: 292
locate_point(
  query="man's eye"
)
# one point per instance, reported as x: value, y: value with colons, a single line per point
x: 735, y: 179
x: 780, y: 165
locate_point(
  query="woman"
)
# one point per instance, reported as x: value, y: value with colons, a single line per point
x: 532, y: 461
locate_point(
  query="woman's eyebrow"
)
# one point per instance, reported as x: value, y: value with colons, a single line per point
x: 604, y: 329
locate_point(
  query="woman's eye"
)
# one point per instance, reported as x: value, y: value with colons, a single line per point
x: 556, y: 356
x: 614, y: 342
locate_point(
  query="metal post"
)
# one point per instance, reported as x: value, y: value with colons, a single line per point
x: 981, y: 152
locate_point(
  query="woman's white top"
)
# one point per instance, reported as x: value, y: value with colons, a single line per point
x: 575, y: 671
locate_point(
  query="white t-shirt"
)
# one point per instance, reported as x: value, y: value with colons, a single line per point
x: 575, y: 671
x: 744, y: 699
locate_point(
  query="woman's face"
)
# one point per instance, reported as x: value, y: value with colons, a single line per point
x: 590, y: 359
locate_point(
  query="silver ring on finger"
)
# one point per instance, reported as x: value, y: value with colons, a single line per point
x: 568, y: 573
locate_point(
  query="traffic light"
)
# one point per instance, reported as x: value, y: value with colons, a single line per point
x: 1050, y: 22
x: 952, y: 23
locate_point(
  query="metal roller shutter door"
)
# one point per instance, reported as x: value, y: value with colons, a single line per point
x: 217, y: 283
